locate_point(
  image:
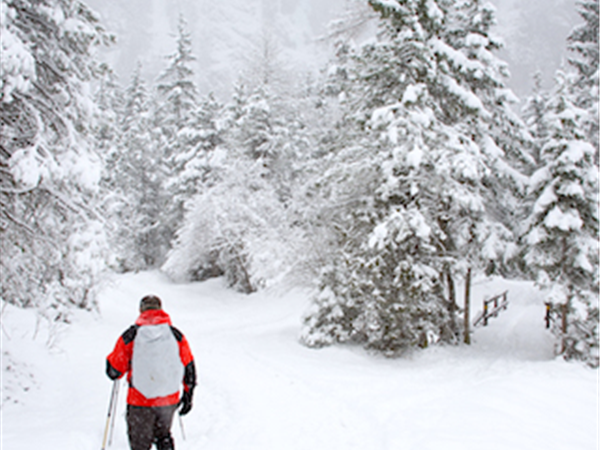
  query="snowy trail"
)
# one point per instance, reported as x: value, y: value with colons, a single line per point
x: 260, y: 389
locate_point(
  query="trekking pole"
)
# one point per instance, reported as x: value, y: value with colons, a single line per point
x: 114, y: 413
x: 110, y: 410
x: 182, y: 430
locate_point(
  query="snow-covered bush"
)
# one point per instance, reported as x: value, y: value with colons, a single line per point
x: 240, y: 218
x: 236, y: 227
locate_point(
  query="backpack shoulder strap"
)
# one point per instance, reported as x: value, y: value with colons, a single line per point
x: 129, y: 334
x: 178, y: 334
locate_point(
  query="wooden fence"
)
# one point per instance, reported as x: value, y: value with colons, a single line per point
x: 491, y: 308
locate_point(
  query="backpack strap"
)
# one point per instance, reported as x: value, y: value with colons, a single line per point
x: 129, y: 335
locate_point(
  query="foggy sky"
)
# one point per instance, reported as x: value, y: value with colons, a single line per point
x: 224, y: 33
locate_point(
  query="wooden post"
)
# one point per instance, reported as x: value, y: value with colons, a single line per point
x: 485, y: 313
x: 564, y: 318
x: 468, y: 307
x: 564, y: 309
x: 548, y: 309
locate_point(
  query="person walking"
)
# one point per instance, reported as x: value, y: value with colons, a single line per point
x: 158, y: 360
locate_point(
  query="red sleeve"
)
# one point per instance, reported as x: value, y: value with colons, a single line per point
x: 185, y: 352
x: 118, y: 362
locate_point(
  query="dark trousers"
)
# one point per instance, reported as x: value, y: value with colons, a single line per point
x: 146, y: 426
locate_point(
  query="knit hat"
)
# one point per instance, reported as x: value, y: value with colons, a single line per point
x: 150, y: 302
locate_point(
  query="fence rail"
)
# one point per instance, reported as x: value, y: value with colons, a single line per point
x: 491, y: 308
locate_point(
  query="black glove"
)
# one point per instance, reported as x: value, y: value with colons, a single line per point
x: 112, y: 373
x: 185, y: 402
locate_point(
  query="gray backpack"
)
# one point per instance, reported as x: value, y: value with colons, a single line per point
x: 156, y: 368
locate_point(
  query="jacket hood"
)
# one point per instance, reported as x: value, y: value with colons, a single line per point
x: 153, y: 317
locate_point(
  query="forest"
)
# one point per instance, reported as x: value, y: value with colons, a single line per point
x: 397, y: 172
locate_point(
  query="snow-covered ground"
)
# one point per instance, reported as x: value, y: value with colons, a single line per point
x: 259, y: 389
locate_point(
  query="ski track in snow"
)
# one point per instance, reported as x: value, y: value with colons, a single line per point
x: 260, y: 389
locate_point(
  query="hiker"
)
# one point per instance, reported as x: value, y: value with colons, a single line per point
x: 157, y: 359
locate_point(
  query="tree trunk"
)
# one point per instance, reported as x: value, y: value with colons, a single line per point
x: 451, y: 291
x: 468, y: 307
x: 564, y: 311
x: 452, y: 306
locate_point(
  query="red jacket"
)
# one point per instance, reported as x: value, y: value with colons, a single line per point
x: 118, y: 362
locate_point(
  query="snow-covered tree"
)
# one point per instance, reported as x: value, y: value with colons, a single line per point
x: 176, y: 89
x: 224, y: 216
x: 200, y: 138
x: 234, y: 227
x: 51, y: 236
x: 271, y: 128
x: 561, y: 239
x: 583, y: 44
x: 424, y: 175
x: 109, y: 99
x: 534, y: 114
x: 134, y: 177
x: 565, y: 188
x: 239, y: 221
x: 265, y: 66
x: 176, y: 104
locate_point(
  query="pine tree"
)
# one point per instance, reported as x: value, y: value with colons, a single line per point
x: 265, y: 65
x: 203, y: 135
x: 224, y: 221
x: 51, y: 241
x: 561, y: 242
x: 269, y: 129
x: 109, y: 99
x: 176, y: 104
x: 425, y: 175
x: 176, y: 89
x: 134, y: 178
x: 583, y: 43
x: 238, y: 223
x: 534, y: 114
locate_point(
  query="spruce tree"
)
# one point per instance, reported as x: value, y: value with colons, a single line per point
x: 203, y: 135
x: 561, y: 242
x: 175, y: 106
x: 176, y: 89
x: 425, y: 177
x: 534, y: 114
x: 134, y: 177
x: 109, y: 99
x: 583, y: 45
